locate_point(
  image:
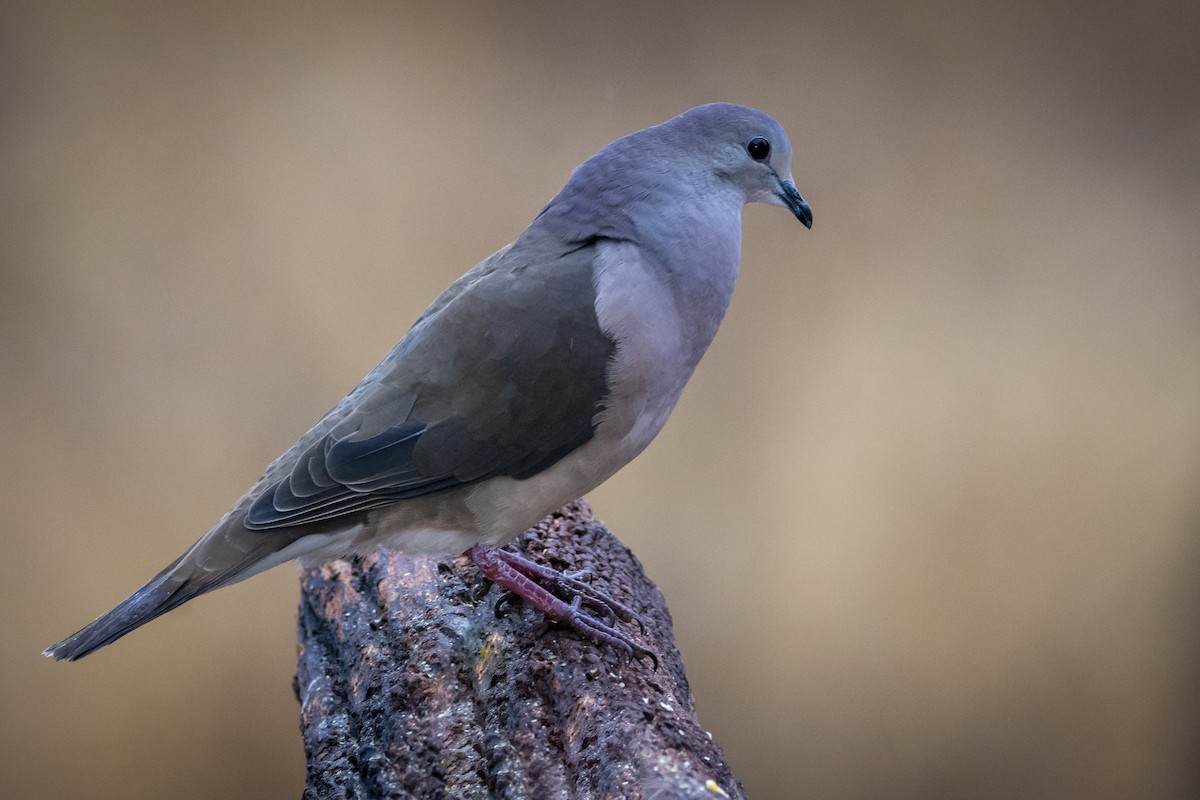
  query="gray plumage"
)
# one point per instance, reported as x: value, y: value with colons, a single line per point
x: 530, y: 381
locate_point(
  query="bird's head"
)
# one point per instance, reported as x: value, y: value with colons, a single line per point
x: 747, y: 149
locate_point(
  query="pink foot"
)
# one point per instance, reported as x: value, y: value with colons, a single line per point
x: 525, y: 579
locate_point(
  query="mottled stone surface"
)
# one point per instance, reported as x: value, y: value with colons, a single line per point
x: 411, y: 686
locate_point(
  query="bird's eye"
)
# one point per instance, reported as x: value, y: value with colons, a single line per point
x: 759, y: 148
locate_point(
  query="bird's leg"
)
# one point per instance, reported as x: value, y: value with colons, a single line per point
x: 570, y: 584
x: 524, y: 578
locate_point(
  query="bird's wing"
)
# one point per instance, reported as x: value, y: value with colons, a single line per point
x: 504, y: 375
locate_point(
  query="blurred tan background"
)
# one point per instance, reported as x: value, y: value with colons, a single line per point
x: 927, y: 516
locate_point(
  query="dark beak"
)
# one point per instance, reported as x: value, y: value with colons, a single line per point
x: 793, y: 200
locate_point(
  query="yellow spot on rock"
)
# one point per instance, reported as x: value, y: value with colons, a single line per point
x: 712, y: 786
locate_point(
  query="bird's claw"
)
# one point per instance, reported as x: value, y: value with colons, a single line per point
x: 502, y: 605
x: 530, y: 581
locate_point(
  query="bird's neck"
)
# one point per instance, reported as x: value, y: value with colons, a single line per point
x: 691, y: 238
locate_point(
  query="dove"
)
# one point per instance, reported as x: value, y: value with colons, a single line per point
x: 530, y: 381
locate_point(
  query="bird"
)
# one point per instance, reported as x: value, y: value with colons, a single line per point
x: 526, y: 384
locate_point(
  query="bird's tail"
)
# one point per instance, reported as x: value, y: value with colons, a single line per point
x: 226, y: 555
x: 165, y: 591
